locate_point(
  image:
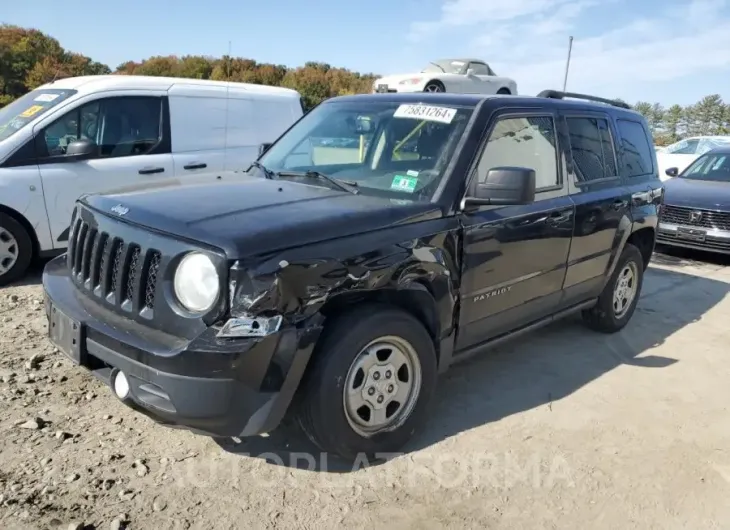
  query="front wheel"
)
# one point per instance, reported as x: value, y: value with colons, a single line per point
x: 434, y: 86
x: 371, y: 383
x: 618, y: 300
x: 16, y: 250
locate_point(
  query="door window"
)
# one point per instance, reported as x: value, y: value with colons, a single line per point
x: 479, y: 68
x: 594, y: 156
x: 124, y: 126
x: 525, y: 141
x: 636, y: 153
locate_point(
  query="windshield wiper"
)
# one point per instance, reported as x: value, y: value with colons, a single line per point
x: 438, y: 66
x: 345, y: 185
x: 267, y: 172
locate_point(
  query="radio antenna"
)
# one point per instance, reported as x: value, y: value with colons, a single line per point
x: 228, y: 88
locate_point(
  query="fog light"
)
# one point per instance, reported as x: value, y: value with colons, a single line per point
x: 120, y: 385
x: 245, y: 326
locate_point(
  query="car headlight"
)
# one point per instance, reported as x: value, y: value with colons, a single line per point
x: 412, y: 81
x: 197, y: 284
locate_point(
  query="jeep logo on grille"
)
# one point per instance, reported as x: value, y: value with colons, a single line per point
x: 120, y: 210
x: 695, y: 216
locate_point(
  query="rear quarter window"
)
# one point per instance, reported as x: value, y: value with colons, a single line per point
x: 637, y: 158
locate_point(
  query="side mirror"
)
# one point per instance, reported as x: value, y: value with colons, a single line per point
x: 80, y: 149
x: 672, y: 172
x: 264, y: 147
x: 470, y: 72
x: 505, y: 186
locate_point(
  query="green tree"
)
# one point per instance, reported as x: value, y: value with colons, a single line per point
x: 674, y: 122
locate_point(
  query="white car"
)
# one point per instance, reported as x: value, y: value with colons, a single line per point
x: 465, y: 76
x: 97, y: 133
x: 681, y: 154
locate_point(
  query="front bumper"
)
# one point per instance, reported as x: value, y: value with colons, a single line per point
x: 219, y: 387
x: 708, y: 239
x: 394, y: 89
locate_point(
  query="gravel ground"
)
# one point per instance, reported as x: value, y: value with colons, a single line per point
x: 563, y: 429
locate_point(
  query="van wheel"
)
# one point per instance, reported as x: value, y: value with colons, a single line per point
x: 371, y: 383
x: 16, y: 250
x: 618, y: 300
x: 504, y: 91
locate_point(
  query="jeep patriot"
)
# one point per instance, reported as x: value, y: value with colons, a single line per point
x: 378, y: 241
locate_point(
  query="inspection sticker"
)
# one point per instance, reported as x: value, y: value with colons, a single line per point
x: 31, y: 110
x: 425, y: 112
x: 412, y: 173
x: 403, y: 183
x: 46, y: 97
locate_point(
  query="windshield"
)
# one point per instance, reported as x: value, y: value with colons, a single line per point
x: 448, y: 66
x: 387, y: 149
x: 24, y: 110
x: 709, y: 167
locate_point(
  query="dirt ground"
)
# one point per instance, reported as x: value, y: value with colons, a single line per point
x: 564, y: 429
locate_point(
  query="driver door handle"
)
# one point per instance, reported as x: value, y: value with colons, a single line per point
x: 618, y: 204
x: 151, y: 170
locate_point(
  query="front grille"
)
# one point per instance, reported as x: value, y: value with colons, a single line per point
x: 118, y: 271
x: 680, y: 215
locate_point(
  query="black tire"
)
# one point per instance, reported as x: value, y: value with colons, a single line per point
x: 23, y: 246
x: 434, y: 86
x: 504, y: 91
x: 321, y: 412
x: 602, y: 317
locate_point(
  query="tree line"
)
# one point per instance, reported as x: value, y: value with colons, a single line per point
x: 30, y: 58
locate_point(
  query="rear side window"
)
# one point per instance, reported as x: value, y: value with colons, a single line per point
x: 636, y: 151
x: 594, y: 157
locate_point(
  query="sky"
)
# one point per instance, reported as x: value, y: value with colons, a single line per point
x: 671, y: 51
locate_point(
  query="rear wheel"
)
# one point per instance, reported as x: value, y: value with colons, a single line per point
x: 371, y: 383
x: 618, y: 300
x: 16, y: 250
x: 504, y: 91
x: 434, y: 86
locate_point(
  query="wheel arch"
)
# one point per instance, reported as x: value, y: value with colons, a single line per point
x: 643, y: 239
x: 20, y: 218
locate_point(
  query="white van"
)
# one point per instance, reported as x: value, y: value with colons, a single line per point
x: 97, y: 133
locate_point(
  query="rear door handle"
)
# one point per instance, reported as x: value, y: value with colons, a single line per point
x: 151, y: 170
x: 618, y: 204
x: 556, y: 218
x: 195, y: 165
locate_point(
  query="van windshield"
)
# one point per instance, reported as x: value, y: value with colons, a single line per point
x: 24, y: 110
x: 388, y: 149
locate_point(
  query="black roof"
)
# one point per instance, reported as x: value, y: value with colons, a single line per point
x: 471, y: 100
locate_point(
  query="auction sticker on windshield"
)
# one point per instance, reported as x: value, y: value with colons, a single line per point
x: 425, y: 112
x: 30, y: 111
x: 46, y: 97
x: 403, y: 183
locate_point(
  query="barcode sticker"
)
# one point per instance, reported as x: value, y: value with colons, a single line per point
x: 425, y: 112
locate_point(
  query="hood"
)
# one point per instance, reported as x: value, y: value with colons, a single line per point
x: 251, y: 215
x: 697, y: 193
x: 393, y: 80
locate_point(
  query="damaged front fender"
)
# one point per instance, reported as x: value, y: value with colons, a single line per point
x: 299, y: 287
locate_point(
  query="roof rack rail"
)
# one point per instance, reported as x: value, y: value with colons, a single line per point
x: 556, y: 94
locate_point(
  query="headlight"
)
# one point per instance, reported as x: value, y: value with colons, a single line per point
x: 197, y: 285
x: 412, y: 81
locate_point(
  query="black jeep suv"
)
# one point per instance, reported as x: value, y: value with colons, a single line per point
x: 382, y: 238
